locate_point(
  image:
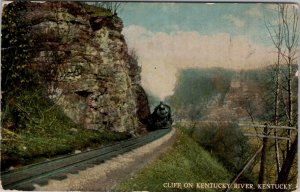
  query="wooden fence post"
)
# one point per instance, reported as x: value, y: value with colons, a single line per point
x: 263, y: 156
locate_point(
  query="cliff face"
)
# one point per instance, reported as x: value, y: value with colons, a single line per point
x: 86, y: 61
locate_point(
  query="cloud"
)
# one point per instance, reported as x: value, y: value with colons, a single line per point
x: 271, y: 7
x: 254, y: 12
x: 162, y: 55
x: 234, y: 20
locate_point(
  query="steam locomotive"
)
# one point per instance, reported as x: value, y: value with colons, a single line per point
x: 161, y: 117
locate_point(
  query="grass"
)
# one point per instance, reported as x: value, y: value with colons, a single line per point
x: 34, y: 129
x: 185, y: 162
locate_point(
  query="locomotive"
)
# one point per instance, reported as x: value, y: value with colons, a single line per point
x: 161, y: 117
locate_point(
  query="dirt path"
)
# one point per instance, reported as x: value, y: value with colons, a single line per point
x: 104, y: 176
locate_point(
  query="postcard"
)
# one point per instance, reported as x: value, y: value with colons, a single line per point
x: 149, y: 96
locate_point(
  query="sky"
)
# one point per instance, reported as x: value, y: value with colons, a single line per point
x: 168, y: 37
x: 206, y: 19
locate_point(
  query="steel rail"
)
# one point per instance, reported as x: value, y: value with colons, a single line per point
x: 39, y: 173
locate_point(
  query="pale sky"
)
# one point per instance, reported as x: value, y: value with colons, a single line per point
x: 168, y: 37
x: 171, y: 36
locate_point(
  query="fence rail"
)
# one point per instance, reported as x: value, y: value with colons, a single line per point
x: 244, y: 169
x: 270, y: 126
x: 265, y: 136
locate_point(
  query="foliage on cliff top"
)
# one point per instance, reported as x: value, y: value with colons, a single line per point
x: 96, y: 11
x: 186, y: 161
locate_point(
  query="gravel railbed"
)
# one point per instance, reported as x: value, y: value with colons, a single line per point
x: 105, y: 176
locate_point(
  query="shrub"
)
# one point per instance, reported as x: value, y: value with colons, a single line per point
x: 224, y: 140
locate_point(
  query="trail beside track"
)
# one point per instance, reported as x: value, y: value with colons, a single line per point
x: 105, y: 176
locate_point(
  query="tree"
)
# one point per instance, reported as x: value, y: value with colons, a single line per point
x: 287, y: 164
x: 289, y: 18
x: 284, y: 35
x: 276, y: 35
x: 112, y: 6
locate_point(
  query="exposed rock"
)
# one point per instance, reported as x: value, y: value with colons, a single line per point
x: 85, y: 61
x: 143, y: 109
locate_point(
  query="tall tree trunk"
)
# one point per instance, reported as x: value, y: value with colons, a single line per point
x: 287, y: 164
x: 276, y: 111
x: 277, y: 39
x: 290, y: 104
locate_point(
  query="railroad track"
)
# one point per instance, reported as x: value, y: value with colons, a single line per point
x: 24, y: 178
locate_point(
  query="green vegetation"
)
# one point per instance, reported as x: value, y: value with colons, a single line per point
x: 186, y: 161
x: 224, y: 140
x: 96, y: 11
x: 16, y: 49
x: 35, y: 128
x: 202, y: 94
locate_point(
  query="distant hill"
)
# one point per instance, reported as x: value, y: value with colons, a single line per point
x: 223, y: 94
x: 198, y: 89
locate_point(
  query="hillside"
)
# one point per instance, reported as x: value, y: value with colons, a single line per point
x: 185, y: 162
x: 197, y: 90
x: 218, y: 94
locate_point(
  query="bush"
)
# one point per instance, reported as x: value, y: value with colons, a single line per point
x: 224, y: 140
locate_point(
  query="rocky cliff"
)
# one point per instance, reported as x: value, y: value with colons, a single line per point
x: 83, y: 55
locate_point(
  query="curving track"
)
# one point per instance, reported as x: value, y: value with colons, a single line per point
x: 25, y: 177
